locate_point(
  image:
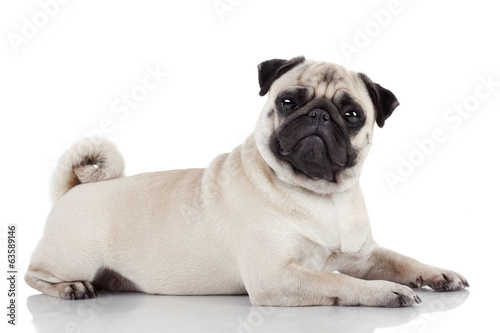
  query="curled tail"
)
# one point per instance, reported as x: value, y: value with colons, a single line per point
x: 89, y: 160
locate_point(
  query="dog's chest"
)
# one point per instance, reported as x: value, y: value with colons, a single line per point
x: 333, y: 226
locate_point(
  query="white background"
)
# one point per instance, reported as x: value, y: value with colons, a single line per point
x: 66, y: 78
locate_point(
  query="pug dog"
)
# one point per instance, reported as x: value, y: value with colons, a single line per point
x: 281, y: 218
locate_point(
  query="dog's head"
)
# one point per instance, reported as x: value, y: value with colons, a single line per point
x: 316, y: 127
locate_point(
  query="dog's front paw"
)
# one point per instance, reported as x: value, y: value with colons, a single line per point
x: 388, y: 294
x: 441, y: 280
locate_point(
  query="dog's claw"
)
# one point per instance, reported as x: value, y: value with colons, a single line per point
x: 417, y: 299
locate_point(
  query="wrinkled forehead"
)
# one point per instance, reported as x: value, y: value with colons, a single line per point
x: 326, y: 78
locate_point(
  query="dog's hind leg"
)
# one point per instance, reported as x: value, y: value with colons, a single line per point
x: 64, y: 264
x: 50, y: 285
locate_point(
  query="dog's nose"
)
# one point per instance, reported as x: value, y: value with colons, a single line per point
x: 320, y: 115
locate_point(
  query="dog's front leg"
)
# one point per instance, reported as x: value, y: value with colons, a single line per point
x: 294, y: 285
x: 384, y: 264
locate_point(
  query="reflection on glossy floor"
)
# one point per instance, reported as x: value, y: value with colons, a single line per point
x: 135, y: 312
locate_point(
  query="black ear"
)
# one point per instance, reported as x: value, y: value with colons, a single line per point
x: 384, y: 100
x: 271, y: 70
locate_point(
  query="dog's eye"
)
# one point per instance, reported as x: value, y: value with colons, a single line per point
x: 352, y: 118
x: 289, y: 105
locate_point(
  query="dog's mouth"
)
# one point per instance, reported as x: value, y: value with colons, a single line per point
x: 310, y: 156
x: 313, y: 146
x: 317, y: 151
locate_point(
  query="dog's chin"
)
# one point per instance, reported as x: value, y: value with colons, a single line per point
x: 310, y: 157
